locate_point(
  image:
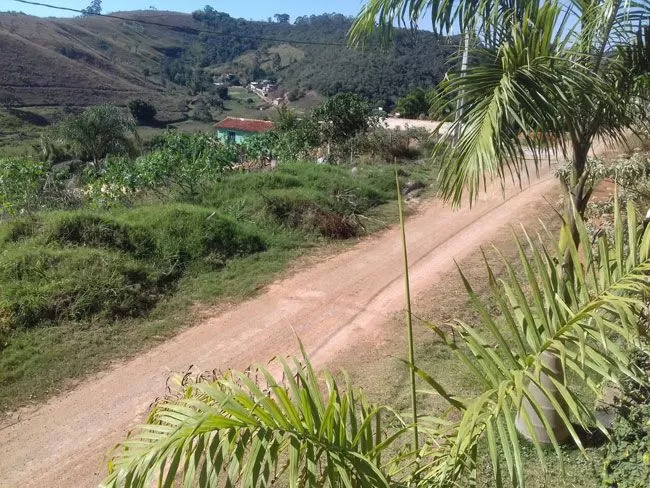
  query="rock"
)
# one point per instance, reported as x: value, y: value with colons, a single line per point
x: 412, y: 186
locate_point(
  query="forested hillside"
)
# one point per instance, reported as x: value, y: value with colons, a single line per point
x: 324, y: 63
x: 87, y: 60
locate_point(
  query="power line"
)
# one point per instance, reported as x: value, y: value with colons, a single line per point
x: 176, y: 27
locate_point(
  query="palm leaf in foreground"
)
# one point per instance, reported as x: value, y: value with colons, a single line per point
x: 584, y: 320
x: 235, y: 432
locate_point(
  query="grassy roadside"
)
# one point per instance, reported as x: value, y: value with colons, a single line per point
x: 384, y: 378
x: 79, y: 289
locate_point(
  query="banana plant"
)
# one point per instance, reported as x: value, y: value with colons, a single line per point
x: 585, y: 322
x: 250, y: 430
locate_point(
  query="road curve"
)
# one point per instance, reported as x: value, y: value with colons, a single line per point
x: 331, y: 305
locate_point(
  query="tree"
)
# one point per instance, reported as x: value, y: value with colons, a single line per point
x: 142, y: 111
x: 97, y: 132
x: 540, y: 84
x: 222, y: 92
x: 342, y: 117
x: 200, y: 111
x: 282, y: 18
x: 414, y: 105
x: 234, y: 430
x: 95, y: 8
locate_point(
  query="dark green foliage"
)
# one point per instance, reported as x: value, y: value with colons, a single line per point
x: 222, y: 92
x: 343, y: 116
x: 142, y: 111
x: 414, y: 105
x: 200, y: 112
x: 98, y: 132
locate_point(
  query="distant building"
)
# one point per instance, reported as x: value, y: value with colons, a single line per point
x: 232, y: 129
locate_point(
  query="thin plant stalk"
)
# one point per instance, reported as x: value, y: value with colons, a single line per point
x: 409, y: 316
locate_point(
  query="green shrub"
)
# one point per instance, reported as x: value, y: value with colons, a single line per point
x: 76, y: 265
x: 627, y: 457
x: 20, y: 182
x: 627, y: 462
x: 181, y: 163
x: 142, y: 111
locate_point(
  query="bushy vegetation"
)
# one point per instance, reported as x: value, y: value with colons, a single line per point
x: 179, y: 163
x: 142, y: 111
x: 627, y: 457
x: 91, y: 136
x: 176, y: 224
x: 20, y: 182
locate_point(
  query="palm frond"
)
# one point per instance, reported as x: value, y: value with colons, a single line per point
x: 384, y: 15
x: 236, y: 431
x: 514, y: 105
x: 585, y: 322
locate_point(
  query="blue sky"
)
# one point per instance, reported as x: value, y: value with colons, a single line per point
x: 248, y: 9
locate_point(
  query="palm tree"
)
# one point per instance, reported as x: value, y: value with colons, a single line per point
x: 236, y: 430
x: 549, y: 78
x: 588, y: 322
x: 96, y: 133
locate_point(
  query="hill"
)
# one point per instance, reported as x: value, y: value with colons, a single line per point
x: 85, y: 60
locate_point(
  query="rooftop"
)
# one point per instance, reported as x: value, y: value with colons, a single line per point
x: 245, y: 125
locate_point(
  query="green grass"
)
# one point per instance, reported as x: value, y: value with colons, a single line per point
x: 80, y: 288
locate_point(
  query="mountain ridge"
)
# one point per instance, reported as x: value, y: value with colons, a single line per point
x: 84, y: 61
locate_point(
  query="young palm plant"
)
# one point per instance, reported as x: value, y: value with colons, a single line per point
x: 240, y: 431
x: 589, y: 322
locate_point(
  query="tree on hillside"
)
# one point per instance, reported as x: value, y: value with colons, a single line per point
x: 222, y: 92
x: 142, y: 111
x: 98, y: 132
x: 95, y: 8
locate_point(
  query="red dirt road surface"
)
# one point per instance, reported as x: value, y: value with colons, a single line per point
x: 332, y: 306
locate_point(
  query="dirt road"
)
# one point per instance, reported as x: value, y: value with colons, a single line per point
x: 333, y: 306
